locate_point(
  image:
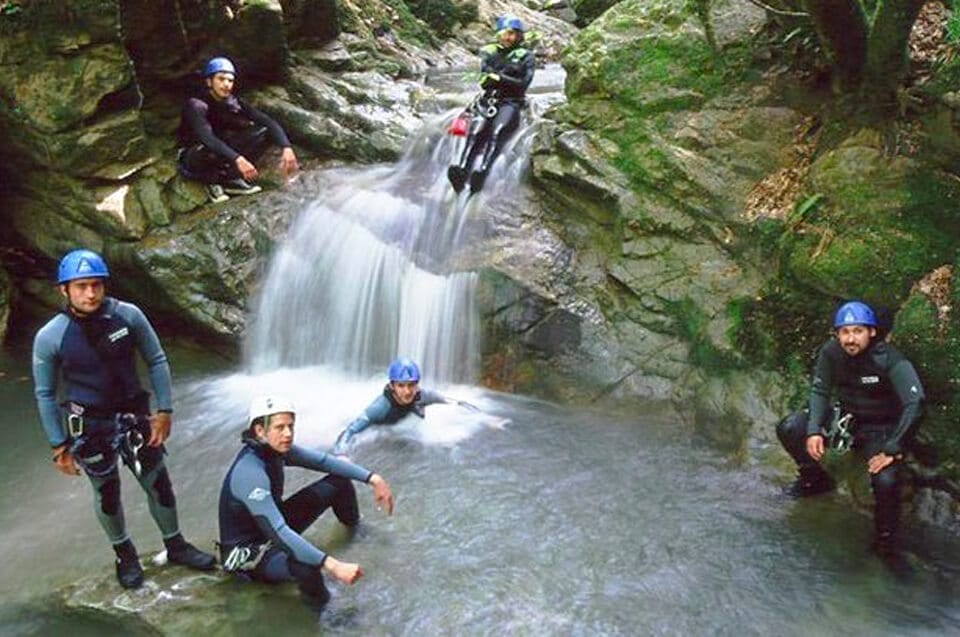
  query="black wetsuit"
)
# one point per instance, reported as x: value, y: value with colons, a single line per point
x: 496, y: 114
x: 260, y: 531
x: 882, y: 391
x: 213, y: 133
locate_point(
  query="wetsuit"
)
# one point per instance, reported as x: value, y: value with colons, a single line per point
x: 496, y: 113
x: 882, y: 391
x: 385, y: 410
x: 260, y: 531
x: 105, y: 409
x: 213, y: 133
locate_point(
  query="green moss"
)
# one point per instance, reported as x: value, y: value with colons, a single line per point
x: 692, y: 324
x: 933, y: 346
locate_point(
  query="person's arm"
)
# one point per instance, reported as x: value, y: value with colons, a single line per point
x: 525, y: 78
x: 374, y: 414
x: 320, y: 461
x: 250, y: 485
x: 46, y: 371
x: 909, y: 390
x: 821, y: 389
x: 148, y: 345
x: 277, y: 134
x: 195, y: 114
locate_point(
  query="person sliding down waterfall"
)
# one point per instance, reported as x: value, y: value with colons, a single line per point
x: 402, y: 396
x: 506, y: 72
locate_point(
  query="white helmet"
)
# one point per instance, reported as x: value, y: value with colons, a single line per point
x: 266, y: 406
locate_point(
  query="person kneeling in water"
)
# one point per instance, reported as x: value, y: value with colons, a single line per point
x: 506, y: 72
x: 260, y: 533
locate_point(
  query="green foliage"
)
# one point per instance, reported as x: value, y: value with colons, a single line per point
x: 692, y: 324
x: 933, y: 346
x: 443, y: 16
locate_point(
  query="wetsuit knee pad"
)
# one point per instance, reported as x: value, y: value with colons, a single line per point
x: 792, y: 428
x: 887, y: 482
x: 109, y: 493
x: 164, y: 489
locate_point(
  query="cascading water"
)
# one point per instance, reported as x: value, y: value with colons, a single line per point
x: 369, y: 271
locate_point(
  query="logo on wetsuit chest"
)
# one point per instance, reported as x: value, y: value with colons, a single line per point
x: 116, y: 336
x: 869, y: 380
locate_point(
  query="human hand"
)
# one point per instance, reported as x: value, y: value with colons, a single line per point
x: 346, y: 572
x: 879, y: 462
x: 382, y: 495
x: 64, y: 461
x: 815, y: 447
x: 247, y: 170
x: 490, y: 80
x: 159, y: 428
x: 288, y: 163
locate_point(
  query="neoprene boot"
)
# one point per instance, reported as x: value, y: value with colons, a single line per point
x: 812, y: 480
x: 179, y: 551
x: 886, y: 546
x: 457, y: 177
x: 129, y: 571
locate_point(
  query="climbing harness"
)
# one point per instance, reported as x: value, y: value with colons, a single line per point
x: 840, y: 434
x: 99, y: 442
x: 245, y: 558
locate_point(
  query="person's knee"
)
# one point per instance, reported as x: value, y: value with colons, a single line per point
x: 886, y: 484
x: 109, y: 495
x: 163, y: 488
x: 792, y: 429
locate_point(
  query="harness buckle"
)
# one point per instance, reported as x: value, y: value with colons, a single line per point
x: 840, y: 435
x: 75, y: 425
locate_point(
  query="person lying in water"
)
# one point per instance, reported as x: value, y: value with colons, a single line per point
x: 506, y: 71
x: 402, y: 396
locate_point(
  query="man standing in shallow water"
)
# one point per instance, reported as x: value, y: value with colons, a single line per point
x: 106, y: 414
x: 880, y: 403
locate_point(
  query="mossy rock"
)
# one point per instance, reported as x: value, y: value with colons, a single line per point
x: 930, y: 338
x: 883, y: 223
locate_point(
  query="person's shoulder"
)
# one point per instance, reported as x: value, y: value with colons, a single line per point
x: 52, y: 327
x: 124, y: 309
x: 489, y: 49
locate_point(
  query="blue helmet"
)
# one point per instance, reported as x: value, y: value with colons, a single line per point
x: 219, y: 65
x: 854, y: 313
x: 82, y: 264
x: 509, y: 21
x: 404, y: 369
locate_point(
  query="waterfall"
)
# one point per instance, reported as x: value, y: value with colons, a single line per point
x: 369, y: 270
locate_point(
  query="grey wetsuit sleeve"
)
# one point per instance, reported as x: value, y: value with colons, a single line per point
x: 909, y: 390
x: 320, y: 461
x: 432, y: 397
x: 250, y: 484
x: 148, y: 344
x: 375, y: 414
x: 821, y: 386
x: 46, y: 371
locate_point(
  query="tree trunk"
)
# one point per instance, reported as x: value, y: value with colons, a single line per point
x: 843, y: 30
x: 887, y: 57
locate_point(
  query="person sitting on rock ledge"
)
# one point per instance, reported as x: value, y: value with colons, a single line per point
x: 221, y: 136
x: 880, y: 404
